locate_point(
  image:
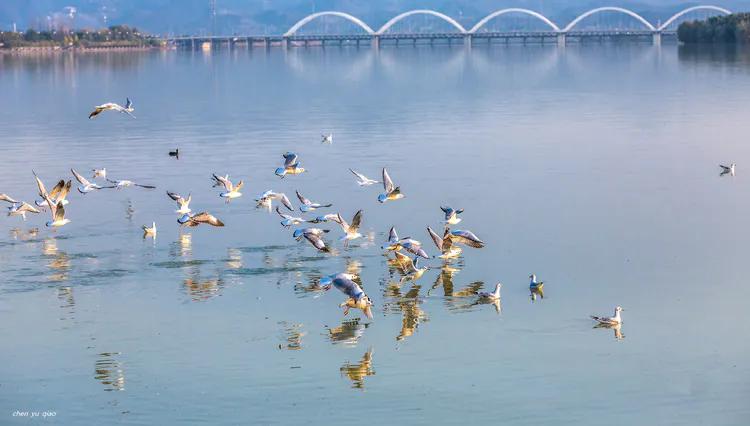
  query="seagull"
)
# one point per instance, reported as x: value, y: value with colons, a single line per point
x: 149, y: 231
x: 5, y: 197
x: 406, y: 243
x: 59, y: 193
x: 615, y: 320
x: 191, y: 220
x: 175, y: 153
x: 327, y: 138
x: 217, y: 181
x: 111, y: 106
x: 231, y: 190
x: 487, y: 296
x: 55, y: 206
x: 119, y: 184
x: 314, y: 236
x: 289, y: 220
x: 445, y: 244
x: 391, y: 192
x: 351, y: 230
x: 392, y: 240
x: 534, y: 285
x: 291, y: 165
x: 357, y: 297
x: 307, y: 205
x: 325, y: 218
x: 267, y: 198
x: 102, y: 173
x: 466, y: 237
x: 86, y: 185
x: 184, y: 203
x: 21, y: 208
x: 451, y: 215
x: 363, y: 180
x: 728, y: 169
x: 409, y: 267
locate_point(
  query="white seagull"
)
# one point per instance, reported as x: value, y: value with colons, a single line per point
x: 291, y: 165
x: 189, y: 219
x: 266, y: 199
x: 392, y: 192
x: 363, y: 180
x: 408, y: 267
x: 59, y: 193
x: 314, y: 236
x: 451, y: 215
x: 307, y: 205
x: 327, y: 138
x: 351, y: 231
x: 20, y: 209
x: 111, y: 106
x: 119, y: 184
x: 102, y: 173
x: 232, y: 191
x: 86, y: 185
x: 183, y: 202
x: 495, y: 295
x: 445, y: 244
x: 149, y: 231
x: 289, y: 220
x: 728, y: 169
x: 615, y: 320
x: 357, y: 297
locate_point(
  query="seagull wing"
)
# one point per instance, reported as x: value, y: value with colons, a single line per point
x: 4, y: 197
x: 224, y: 181
x: 316, y: 241
x: 285, y: 201
x: 64, y: 191
x: 435, y: 238
x: 26, y: 207
x: 285, y: 216
x: 145, y: 186
x: 360, y: 176
x: 290, y: 159
x: 42, y: 190
x: 57, y: 188
x: 80, y: 178
x: 392, y: 235
x: 356, y: 221
x: 340, y: 220
x: 175, y: 196
x: 467, y: 237
x: 205, y: 217
x: 404, y: 262
x: 59, y: 212
x: 302, y: 199
x: 387, y: 182
x: 347, y: 286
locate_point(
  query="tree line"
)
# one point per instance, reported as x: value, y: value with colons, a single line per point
x: 114, y: 36
x: 734, y: 28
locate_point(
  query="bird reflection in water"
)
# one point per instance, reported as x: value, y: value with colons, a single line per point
x: 108, y: 371
x: 616, y: 328
x: 30, y: 234
x: 67, y: 303
x: 312, y: 285
x: 445, y: 279
x: 408, y: 305
x: 348, y: 333
x: 200, y: 289
x: 60, y: 261
x: 291, y: 335
x: 357, y: 372
x: 129, y: 210
x: 234, y: 258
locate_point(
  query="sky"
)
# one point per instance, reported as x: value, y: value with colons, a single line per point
x: 275, y: 16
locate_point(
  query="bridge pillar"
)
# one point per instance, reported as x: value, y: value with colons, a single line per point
x: 467, y: 41
x: 284, y: 43
x: 561, y: 39
x: 375, y: 42
x: 657, y: 38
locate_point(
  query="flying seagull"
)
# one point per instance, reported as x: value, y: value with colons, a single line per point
x: 291, y: 165
x: 327, y: 138
x: 55, y: 206
x: 266, y: 199
x: 102, y: 173
x: 191, y: 220
x: 363, y: 180
x: 183, y: 202
x: 445, y: 244
x: 615, y: 320
x: 451, y: 215
x: 351, y: 231
x: 466, y: 237
x: 232, y: 191
x: 5, y: 197
x: 391, y: 192
x: 86, y: 185
x: 314, y: 236
x: 325, y: 218
x: 119, y: 184
x: 21, y: 208
x: 307, y: 205
x: 409, y: 267
x: 111, y: 106
x: 727, y: 169
x: 356, y: 296
x: 288, y: 219
x: 59, y: 193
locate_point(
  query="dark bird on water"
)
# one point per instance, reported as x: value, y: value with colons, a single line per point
x: 175, y: 153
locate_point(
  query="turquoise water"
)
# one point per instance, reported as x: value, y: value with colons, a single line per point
x: 593, y: 166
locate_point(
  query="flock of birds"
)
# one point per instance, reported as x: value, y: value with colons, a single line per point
x: 406, y: 251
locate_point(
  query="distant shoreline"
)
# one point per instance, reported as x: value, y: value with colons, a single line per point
x: 28, y: 50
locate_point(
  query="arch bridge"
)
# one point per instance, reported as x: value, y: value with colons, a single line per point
x: 458, y: 31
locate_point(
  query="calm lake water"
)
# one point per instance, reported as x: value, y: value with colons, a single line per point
x: 593, y: 166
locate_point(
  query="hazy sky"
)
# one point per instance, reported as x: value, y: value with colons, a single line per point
x: 274, y: 16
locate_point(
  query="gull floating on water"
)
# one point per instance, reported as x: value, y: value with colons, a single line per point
x: 288, y: 219
x: 314, y: 236
x: 363, y: 180
x: 327, y: 138
x: 86, y: 185
x: 266, y: 199
x: 232, y: 191
x: 351, y: 231
x: 615, y: 320
x: 445, y: 244
x: 487, y: 296
x: 119, y: 184
x: 534, y: 285
x: 59, y: 193
x: 307, y: 205
x: 175, y: 153
x: 111, y: 106
x: 183, y: 202
x: 102, y: 173
x: 728, y: 169
x: 451, y: 215
x: 291, y: 165
x: 149, y: 231
x: 201, y: 218
x: 392, y: 192
x: 357, y: 297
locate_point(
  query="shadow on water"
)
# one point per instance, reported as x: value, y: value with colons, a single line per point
x: 348, y: 333
x: 715, y: 55
x: 357, y: 372
x: 108, y: 370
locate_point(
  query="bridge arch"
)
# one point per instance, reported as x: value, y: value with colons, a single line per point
x: 442, y: 16
x: 585, y: 15
x: 304, y: 21
x: 497, y: 13
x: 692, y: 9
